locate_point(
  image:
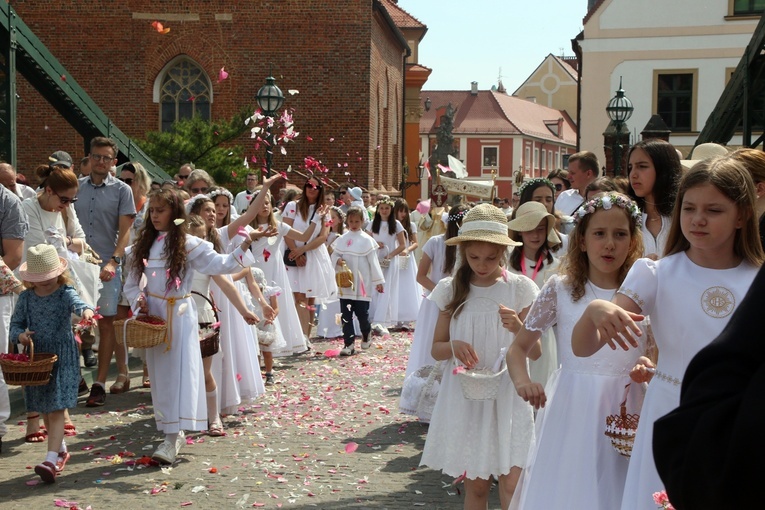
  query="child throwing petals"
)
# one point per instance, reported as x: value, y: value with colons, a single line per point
x: 43, y: 316
x: 712, y: 256
x: 570, y: 446
x: 482, y: 307
x: 162, y: 264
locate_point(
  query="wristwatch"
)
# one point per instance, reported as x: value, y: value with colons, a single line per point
x: 117, y: 259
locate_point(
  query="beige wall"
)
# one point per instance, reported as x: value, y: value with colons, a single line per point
x: 551, y: 85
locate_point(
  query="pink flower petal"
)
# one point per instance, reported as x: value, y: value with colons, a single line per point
x: 351, y: 447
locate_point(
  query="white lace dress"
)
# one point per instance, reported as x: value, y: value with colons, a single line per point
x: 481, y: 437
x: 542, y: 368
x: 689, y: 306
x: 572, y: 463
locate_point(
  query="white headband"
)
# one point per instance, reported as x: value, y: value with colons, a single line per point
x: 492, y: 226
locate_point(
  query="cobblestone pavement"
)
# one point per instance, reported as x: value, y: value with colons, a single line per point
x: 293, y: 448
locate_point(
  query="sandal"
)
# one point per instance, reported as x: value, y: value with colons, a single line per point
x: 70, y: 430
x: 63, y: 458
x: 146, y: 383
x: 121, y: 385
x: 216, y: 430
x: 36, y: 437
x: 46, y: 471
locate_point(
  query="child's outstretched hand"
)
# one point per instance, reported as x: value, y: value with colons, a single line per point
x: 465, y: 353
x: 380, y: 288
x: 643, y: 371
x: 510, y: 319
x: 615, y: 325
x: 250, y: 318
x: 274, y: 178
x: 269, y: 313
x: 533, y: 393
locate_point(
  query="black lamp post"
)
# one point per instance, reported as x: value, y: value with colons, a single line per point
x: 270, y: 99
x: 421, y: 173
x: 619, y: 110
x: 428, y: 102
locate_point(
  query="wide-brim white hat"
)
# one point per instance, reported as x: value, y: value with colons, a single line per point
x: 702, y: 152
x: 43, y: 263
x: 528, y: 217
x: 486, y: 223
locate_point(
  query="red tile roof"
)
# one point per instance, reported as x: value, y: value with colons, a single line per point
x: 400, y: 17
x: 494, y: 113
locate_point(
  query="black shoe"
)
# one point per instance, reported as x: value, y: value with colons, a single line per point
x: 269, y: 379
x: 90, y: 358
x: 97, y: 396
x: 83, y: 389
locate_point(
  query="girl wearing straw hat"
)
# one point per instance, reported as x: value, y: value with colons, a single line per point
x: 535, y: 228
x: 43, y: 316
x: 481, y: 308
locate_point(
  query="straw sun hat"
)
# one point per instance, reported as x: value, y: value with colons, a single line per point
x: 485, y: 223
x: 529, y: 216
x: 43, y: 263
x: 702, y: 152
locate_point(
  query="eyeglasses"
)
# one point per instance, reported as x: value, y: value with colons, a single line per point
x: 66, y: 200
x: 199, y: 190
x: 101, y: 157
x: 128, y: 181
x: 558, y: 187
x: 183, y: 176
x: 310, y: 185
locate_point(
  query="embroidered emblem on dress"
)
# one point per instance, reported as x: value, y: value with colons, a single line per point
x: 718, y: 302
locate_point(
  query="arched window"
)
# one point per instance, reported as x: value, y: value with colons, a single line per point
x: 182, y: 90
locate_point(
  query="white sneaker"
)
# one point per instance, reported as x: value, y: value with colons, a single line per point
x: 347, y: 351
x: 180, y: 441
x: 165, y: 453
x: 384, y: 330
x: 366, y: 344
x: 379, y: 329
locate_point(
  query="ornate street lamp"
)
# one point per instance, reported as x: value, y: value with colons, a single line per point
x: 619, y: 110
x: 270, y: 99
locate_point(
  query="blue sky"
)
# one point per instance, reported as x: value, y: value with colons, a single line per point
x: 471, y: 40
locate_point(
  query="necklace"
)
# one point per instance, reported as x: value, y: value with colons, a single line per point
x: 594, y: 293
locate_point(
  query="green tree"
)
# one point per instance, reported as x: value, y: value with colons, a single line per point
x: 208, y: 145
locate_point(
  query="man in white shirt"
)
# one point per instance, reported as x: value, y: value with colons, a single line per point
x: 243, y: 198
x: 583, y: 168
x: 8, y: 179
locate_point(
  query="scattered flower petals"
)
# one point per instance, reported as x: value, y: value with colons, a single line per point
x: 351, y: 447
x: 178, y: 221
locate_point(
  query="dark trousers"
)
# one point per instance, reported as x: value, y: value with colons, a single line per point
x: 349, y: 307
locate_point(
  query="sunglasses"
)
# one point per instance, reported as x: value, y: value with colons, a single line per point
x: 199, y: 190
x: 128, y: 181
x: 66, y: 200
x: 558, y: 187
x: 184, y: 176
x: 312, y: 185
x: 343, y: 192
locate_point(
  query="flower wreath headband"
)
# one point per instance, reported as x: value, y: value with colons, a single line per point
x: 605, y: 202
x: 387, y: 200
x: 534, y: 181
x: 221, y: 191
x: 339, y: 212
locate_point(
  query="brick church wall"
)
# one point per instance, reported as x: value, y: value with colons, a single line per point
x: 333, y: 53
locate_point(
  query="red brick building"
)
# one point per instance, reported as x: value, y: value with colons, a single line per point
x: 346, y: 58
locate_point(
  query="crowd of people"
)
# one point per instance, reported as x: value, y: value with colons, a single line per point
x: 526, y: 293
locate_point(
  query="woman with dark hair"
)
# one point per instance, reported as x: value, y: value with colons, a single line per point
x: 312, y: 275
x: 559, y: 178
x: 654, y: 172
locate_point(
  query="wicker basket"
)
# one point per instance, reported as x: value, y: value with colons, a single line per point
x: 403, y: 261
x: 621, y: 428
x: 384, y: 263
x: 35, y: 372
x: 139, y: 334
x: 344, y: 277
x: 209, y: 342
x: 478, y: 383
